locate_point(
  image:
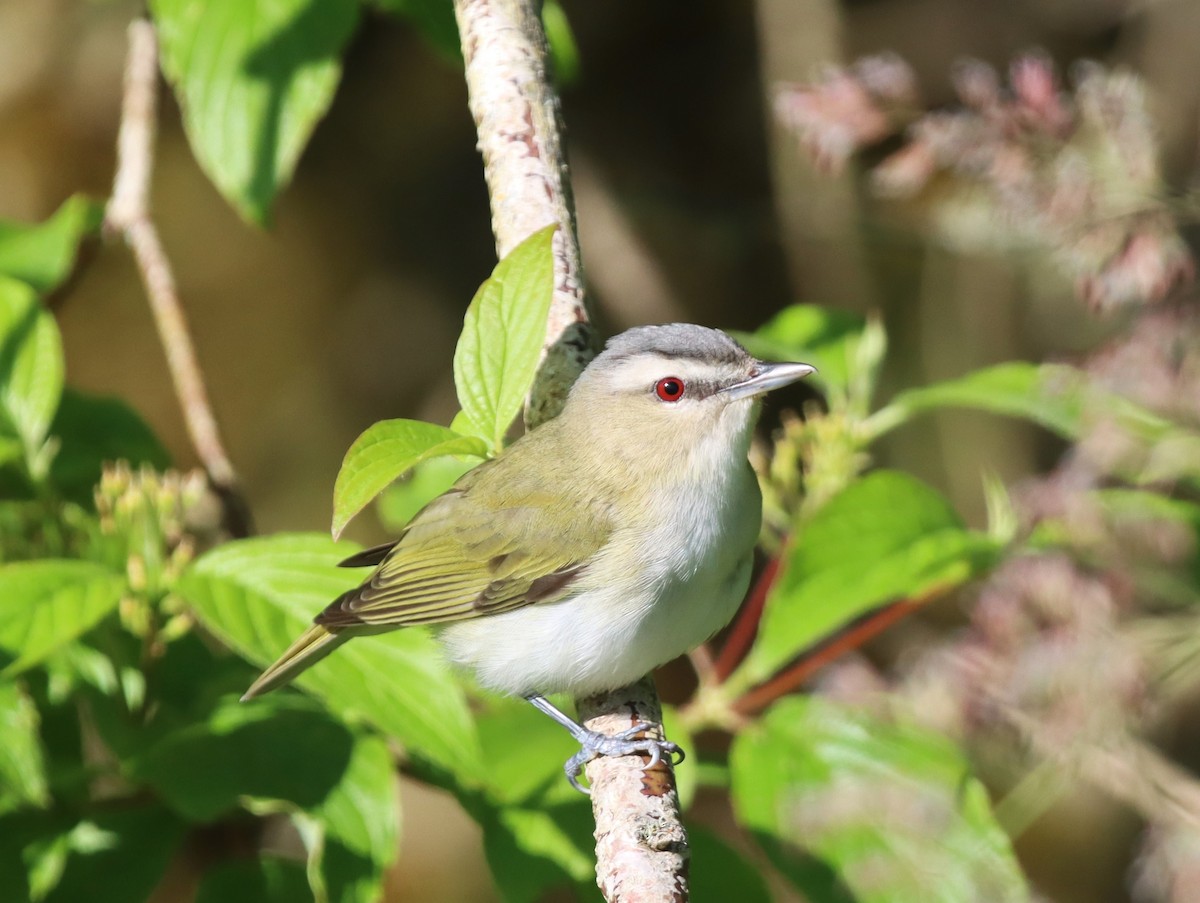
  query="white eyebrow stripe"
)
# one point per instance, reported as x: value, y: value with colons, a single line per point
x: 643, y: 371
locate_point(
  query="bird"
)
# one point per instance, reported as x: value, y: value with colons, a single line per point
x: 604, y: 543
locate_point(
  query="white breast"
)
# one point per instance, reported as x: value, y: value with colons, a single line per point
x: 693, y: 567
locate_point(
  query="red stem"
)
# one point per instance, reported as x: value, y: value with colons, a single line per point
x: 745, y: 628
x: 874, y: 624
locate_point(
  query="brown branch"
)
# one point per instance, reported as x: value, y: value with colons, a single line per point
x: 128, y: 215
x: 641, y: 852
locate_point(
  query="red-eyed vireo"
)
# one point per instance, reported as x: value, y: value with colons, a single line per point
x: 596, y: 547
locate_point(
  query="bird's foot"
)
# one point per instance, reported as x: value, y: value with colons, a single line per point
x: 595, y: 744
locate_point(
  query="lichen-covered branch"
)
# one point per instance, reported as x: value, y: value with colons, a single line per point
x: 517, y: 118
x: 641, y: 852
x: 128, y: 214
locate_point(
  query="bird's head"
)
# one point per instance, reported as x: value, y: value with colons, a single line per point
x: 681, y: 382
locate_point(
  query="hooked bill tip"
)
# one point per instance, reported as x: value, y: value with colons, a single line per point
x: 768, y: 376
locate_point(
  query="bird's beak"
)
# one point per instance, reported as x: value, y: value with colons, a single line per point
x: 767, y: 377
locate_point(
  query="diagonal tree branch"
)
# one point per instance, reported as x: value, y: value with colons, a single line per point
x: 641, y: 852
x: 128, y: 215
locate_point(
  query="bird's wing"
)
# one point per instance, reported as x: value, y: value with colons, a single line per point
x: 460, y: 560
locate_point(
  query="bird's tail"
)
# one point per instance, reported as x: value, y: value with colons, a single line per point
x: 313, y: 645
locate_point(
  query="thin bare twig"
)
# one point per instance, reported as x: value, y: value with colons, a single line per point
x: 128, y: 215
x: 641, y: 852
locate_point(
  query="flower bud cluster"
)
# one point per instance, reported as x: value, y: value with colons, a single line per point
x: 143, y: 516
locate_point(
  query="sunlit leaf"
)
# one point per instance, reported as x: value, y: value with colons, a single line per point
x: 399, y: 503
x: 42, y: 254
x: 386, y: 451
x: 45, y: 604
x: 1048, y: 394
x: 253, y: 78
x: 31, y: 366
x: 258, y: 595
x: 502, y: 337
x: 22, y: 765
x: 891, y: 806
x: 885, y: 537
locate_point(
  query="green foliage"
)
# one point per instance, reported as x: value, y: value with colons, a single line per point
x: 31, y: 374
x: 45, y: 604
x: 885, y: 537
x: 43, y: 255
x: 718, y: 873
x: 353, y: 832
x: 502, y: 337
x: 253, y: 78
x: 257, y: 595
x: 91, y: 431
x: 388, y: 450
x: 404, y: 498
x: 279, y: 748
x: 494, y: 365
x: 263, y: 880
x: 22, y: 764
x: 1048, y: 394
x: 892, y: 807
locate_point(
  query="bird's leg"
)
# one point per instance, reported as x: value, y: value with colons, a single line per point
x: 594, y: 743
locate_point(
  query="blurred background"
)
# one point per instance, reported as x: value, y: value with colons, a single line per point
x: 693, y: 204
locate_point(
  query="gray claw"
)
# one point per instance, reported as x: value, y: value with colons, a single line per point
x: 594, y: 744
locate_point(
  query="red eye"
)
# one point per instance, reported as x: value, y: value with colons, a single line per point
x: 669, y: 388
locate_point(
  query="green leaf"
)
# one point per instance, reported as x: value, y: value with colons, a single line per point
x: 718, y: 873
x: 258, y: 595
x: 532, y: 850
x: 885, y: 537
x: 401, y: 501
x: 525, y: 752
x: 281, y: 748
x: 891, y: 806
x: 1051, y: 395
x: 115, y: 857
x: 358, y: 826
x: 267, y: 879
x: 502, y: 337
x: 22, y: 765
x: 93, y: 430
x: 31, y: 367
x: 44, y: 604
x: 828, y: 339
x: 564, y: 51
x: 386, y: 451
x: 43, y: 255
x: 253, y: 77
x: 536, y: 827
x: 434, y: 19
